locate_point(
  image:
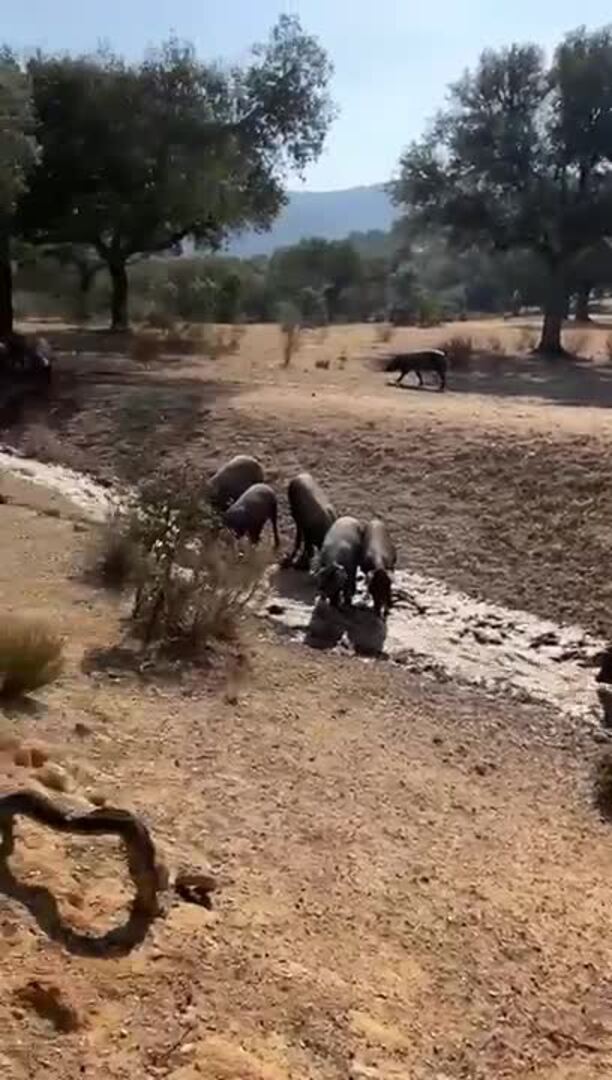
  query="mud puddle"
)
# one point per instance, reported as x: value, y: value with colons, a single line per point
x: 431, y: 628
x: 434, y: 629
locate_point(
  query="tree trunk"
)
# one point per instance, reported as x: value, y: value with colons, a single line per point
x: 582, y: 304
x: 554, y: 313
x: 6, y: 285
x: 119, y: 296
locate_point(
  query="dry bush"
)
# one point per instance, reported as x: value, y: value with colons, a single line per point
x: 145, y: 347
x: 191, y: 579
x: 384, y: 333
x: 602, y: 785
x: 158, y: 319
x: 527, y: 340
x: 322, y: 364
x: 291, y: 331
x: 578, y: 341
x: 30, y: 656
x: 459, y: 350
x: 114, y: 561
x: 495, y: 345
x: 187, y: 608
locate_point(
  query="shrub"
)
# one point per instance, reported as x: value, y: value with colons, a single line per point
x: 188, y: 607
x: 603, y: 785
x: 30, y: 656
x: 459, y: 350
x: 383, y: 333
x: 289, y: 322
x: 495, y: 345
x: 145, y: 347
x: 193, y: 579
x: 527, y: 340
x: 158, y: 319
x: 114, y: 561
x: 578, y: 341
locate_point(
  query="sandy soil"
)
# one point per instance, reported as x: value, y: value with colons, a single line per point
x: 414, y: 880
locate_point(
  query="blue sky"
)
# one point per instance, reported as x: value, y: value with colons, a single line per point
x: 393, y: 59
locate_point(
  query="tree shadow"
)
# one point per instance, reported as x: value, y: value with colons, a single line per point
x: 567, y: 380
x: 294, y: 584
x: 43, y: 906
x: 366, y: 631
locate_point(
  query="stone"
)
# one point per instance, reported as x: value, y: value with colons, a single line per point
x: 54, y: 777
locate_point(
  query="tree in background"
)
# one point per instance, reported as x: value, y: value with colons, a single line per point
x: 137, y: 157
x: 521, y: 159
x: 17, y: 156
x: 328, y: 267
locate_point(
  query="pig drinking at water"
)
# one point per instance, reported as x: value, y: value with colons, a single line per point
x: 313, y: 515
x: 378, y: 563
x: 340, y: 558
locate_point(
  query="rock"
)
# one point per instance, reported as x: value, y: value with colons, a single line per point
x: 22, y: 757
x: 53, y: 776
x: 196, y: 887
x: 81, y: 729
x: 39, y: 755
x: 97, y: 798
x: 48, y: 1002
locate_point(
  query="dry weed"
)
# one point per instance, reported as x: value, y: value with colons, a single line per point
x: 383, y: 333
x: 459, y: 350
x: 30, y: 656
x: 578, y: 341
x: 145, y: 347
x: 495, y: 345
x: 114, y: 560
x: 526, y: 340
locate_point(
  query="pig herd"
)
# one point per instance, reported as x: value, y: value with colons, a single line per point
x: 345, y: 545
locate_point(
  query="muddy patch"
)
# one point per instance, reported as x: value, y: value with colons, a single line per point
x: 453, y: 636
x: 431, y: 628
x: 93, y: 501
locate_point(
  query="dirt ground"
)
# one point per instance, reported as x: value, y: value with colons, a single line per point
x: 413, y: 878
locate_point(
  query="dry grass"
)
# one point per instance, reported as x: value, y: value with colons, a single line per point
x: 527, y: 340
x: 145, y: 347
x: 578, y: 341
x: 114, y: 559
x: 459, y: 350
x: 495, y: 345
x: 384, y: 333
x: 30, y: 656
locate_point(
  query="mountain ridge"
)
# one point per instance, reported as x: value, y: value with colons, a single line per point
x: 332, y: 215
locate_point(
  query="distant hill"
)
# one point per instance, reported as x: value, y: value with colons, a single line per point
x: 330, y: 214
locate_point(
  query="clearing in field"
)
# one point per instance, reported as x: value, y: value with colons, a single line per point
x: 412, y: 871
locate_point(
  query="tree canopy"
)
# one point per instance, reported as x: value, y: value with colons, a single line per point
x: 522, y: 158
x: 17, y: 156
x: 135, y: 157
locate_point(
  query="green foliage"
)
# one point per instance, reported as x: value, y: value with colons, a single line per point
x: 521, y: 158
x: 18, y: 150
x: 138, y: 156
